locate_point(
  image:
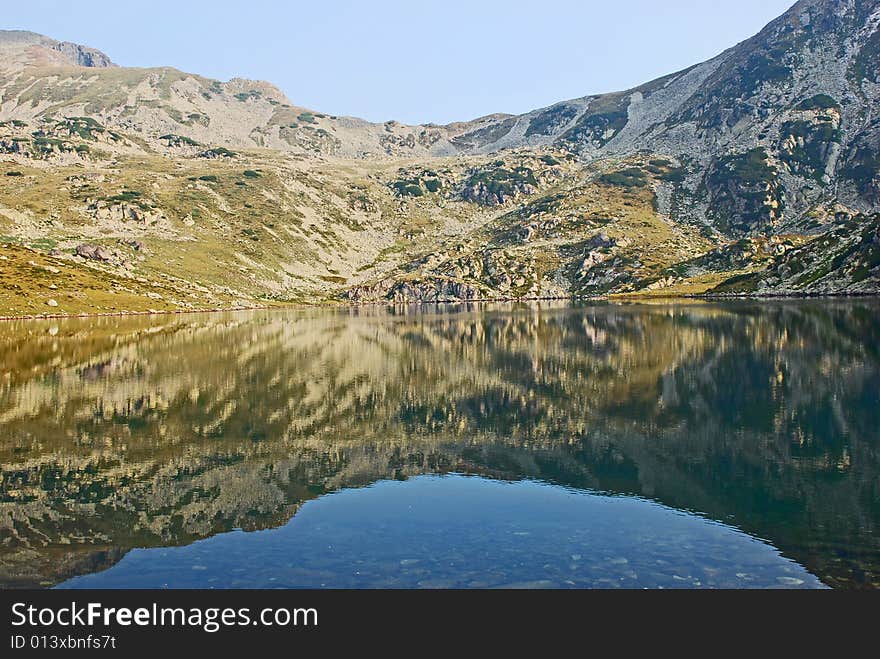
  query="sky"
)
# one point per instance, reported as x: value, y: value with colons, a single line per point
x: 416, y: 62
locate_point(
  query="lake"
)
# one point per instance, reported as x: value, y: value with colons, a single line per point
x: 541, y: 445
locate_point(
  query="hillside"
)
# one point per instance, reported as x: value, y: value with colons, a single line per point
x: 753, y: 173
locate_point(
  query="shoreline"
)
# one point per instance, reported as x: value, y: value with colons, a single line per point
x: 623, y: 297
x: 122, y: 314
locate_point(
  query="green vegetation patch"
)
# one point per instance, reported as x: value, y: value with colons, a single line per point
x: 45, y: 145
x: 745, y: 192
x: 245, y: 96
x: 605, y: 118
x: 408, y: 188
x: 630, y: 177
x: 417, y: 185
x: 503, y: 180
x: 865, y: 64
x: 85, y: 128
x: 818, y: 102
x: 179, y: 140
x: 126, y: 196
x: 862, y: 170
x: 811, y: 146
x: 750, y: 168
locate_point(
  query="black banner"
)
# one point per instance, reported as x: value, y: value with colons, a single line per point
x: 43, y: 622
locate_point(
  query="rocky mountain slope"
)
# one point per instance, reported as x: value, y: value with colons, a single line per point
x: 755, y: 172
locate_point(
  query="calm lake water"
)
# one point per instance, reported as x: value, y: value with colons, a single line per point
x: 668, y: 445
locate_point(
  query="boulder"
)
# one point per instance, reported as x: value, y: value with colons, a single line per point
x: 92, y: 252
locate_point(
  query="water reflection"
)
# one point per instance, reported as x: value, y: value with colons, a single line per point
x: 162, y: 431
x: 455, y: 532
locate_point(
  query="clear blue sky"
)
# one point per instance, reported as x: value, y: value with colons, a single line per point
x: 413, y: 61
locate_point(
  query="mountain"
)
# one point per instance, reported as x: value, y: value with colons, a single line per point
x: 753, y: 173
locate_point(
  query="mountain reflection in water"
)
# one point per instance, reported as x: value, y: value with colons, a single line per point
x: 152, y: 432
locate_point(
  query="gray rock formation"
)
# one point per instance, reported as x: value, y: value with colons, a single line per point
x: 72, y: 53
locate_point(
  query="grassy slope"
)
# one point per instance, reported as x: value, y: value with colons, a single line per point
x: 27, y: 278
x: 260, y: 227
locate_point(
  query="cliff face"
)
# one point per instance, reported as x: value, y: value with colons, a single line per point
x: 775, y: 140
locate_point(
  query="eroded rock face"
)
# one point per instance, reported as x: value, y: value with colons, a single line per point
x: 597, y: 250
x: 810, y: 139
x: 419, y: 292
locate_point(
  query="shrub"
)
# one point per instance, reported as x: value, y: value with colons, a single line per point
x: 125, y: 196
x: 84, y: 127
x: 244, y: 96
x: 408, y: 188
x: 674, y: 175
x: 819, y: 102
x: 631, y: 177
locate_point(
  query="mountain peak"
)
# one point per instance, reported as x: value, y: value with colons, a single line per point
x: 34, y: 48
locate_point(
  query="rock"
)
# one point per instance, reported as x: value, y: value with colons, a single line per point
x: 47, y: 268
x: 52, y: 303
x: 430, y: 291
x: 136, y: 245
x: 92, y: 252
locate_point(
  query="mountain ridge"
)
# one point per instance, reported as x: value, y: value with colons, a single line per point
x: 755, y: 172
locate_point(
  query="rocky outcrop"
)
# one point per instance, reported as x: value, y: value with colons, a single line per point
x: 69, y: 53
x: 487, y: 194
x: 845, y: 260
x: 83, y: 55
x: 419, y: 292
x: 745, y: 195
x: 93, y: 252
x: 505, y: 181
